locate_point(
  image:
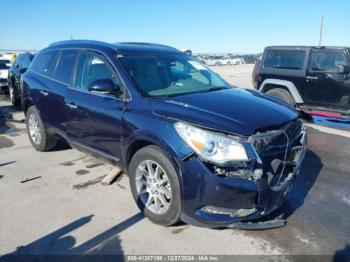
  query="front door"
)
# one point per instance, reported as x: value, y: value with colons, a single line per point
x: 326, y: 86
x: 94, y: 120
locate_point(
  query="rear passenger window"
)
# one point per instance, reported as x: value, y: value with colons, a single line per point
x: 65, y: 66
x: 284, y: 59
x: 91, y: 68
x: 45, y: 62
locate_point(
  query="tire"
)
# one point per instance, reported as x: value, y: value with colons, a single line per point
x: 14, y: 100
x: 138, y: 169
x: 37, y: 133
x: 282, y: 94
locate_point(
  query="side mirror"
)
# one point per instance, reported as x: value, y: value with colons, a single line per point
x: 104, y: 86
x: 343, y: 69
x: 23, y: 70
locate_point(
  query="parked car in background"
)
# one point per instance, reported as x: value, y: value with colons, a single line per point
x: 213, y: 60
x: 251, y: 59
x: 194, y: 148
x: 18, y: 68
x: 4, y: 67
x: 230, y: 60
x: 314, y: 79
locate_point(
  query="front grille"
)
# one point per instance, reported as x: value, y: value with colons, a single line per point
x: 277, y: 149
x: 277, y: 138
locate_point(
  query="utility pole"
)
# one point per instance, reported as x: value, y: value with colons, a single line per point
x: 321, y: 31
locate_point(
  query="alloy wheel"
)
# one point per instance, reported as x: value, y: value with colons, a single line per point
x: 34, y: 129
x: 12, y: 96
x: 153, y: 187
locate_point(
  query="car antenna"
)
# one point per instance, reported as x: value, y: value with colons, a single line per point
x: 321, y: 32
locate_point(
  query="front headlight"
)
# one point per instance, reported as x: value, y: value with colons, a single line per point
x: 211, y: 146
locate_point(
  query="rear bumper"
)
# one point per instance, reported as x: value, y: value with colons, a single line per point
x: 213, y: 200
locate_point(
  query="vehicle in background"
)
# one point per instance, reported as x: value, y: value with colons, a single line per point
x: 255, y: 74
x: 4, y: 67
x: 18, y: 68
x: 194, y: 148
x: 316, y: 80
x: 231, y: 60
x: 213, y: 60
x: 251, y: 59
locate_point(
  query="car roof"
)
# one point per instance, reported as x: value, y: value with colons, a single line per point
x: 304, y: 47
x: 122, y: 48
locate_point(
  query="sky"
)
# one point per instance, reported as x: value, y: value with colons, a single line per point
x: 213, y: 26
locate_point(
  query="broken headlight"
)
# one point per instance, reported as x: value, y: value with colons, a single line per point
x: 211, y: 146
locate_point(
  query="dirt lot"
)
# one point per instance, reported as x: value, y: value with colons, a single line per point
x: 65, y: 210
x: 238, y: 75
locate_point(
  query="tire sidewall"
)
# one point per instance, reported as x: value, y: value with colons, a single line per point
x: 42, y: 145
x: 154, y: 153
x: 282, y: 94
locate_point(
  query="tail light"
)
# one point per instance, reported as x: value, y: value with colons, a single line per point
x: 255, y: 79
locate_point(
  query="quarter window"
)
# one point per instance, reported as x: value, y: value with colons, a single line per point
x: 285, y: 59
x: 327, y: 60
x: 91, y: 68
x: 65, y: 66
x: 45, y: 62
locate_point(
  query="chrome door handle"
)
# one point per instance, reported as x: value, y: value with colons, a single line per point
x: 71, y: 106
x: 311, y: 78
x: 44, y: 93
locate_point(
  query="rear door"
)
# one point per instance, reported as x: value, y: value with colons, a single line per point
x: 325, y: 87
x: 60, y: 80
x: 43, y: 84
x: 94, y: 120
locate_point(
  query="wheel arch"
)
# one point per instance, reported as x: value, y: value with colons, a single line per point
x: 136, y: 143
x: 269, y: 84
x: 26, y: 104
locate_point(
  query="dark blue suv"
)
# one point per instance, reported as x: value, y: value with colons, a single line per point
x: 194, y: 148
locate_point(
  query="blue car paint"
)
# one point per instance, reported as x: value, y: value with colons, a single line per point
x: 112, y: 126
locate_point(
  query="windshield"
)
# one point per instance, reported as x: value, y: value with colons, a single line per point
x: 170, y: 74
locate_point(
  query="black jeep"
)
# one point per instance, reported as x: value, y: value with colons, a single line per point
x: 314, y: 79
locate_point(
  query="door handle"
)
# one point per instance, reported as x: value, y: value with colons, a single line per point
x: 44, y: 93
x: 310, y: 78
x: 71, y: 105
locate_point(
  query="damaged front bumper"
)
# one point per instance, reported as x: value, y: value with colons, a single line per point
x: 216, y: 196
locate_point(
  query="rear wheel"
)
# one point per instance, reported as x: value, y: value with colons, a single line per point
x: 155, y: 186
x: 282, y: 94
x: 13, y: 96
x: 38, y: 135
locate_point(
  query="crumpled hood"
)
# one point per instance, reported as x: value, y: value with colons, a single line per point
x: 237, y: 111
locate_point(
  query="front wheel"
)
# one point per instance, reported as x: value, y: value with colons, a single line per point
x: 155, y: 186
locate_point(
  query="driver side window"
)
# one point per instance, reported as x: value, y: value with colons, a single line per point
x: 327, y: 60
x: 91, y: 68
